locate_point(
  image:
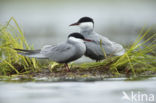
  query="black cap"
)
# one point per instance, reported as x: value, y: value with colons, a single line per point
x: 85, y: 19
x: 76, y: 35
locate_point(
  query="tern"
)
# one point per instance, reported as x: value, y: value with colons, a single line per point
x: 65, y: 52
x: 100, y: 45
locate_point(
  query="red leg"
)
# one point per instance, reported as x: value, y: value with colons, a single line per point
x: 67, y: 67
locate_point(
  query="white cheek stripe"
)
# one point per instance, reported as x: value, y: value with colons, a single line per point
x: 86, y: 24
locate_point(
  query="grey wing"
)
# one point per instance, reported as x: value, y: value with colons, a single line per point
x: 98, y: 41
x: 118, y: 49
x: 111, y: 47
x: 58, y: 53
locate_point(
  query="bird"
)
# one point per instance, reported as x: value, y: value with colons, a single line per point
x: 70, y: 50
x: 100, y: 45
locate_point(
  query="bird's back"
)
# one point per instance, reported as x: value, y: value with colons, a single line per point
x: 63, y: 53
x: 94, y: 49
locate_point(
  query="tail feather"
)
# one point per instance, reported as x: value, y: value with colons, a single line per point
x: 31, y: 53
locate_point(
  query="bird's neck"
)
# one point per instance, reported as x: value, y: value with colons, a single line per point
x: 77, y: 43
x: 86, y: 27
x: 86, y: 31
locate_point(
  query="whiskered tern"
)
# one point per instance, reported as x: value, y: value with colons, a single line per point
x: 94, y: 49
x: 65, y: 52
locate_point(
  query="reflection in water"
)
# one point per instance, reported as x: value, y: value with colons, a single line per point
x: 73, y: 92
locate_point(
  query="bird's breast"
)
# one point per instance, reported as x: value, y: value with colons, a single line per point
x: 81, y: 47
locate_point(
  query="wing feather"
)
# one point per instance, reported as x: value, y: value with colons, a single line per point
x: 58, y: 53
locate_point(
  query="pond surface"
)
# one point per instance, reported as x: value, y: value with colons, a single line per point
x: 108, y: 91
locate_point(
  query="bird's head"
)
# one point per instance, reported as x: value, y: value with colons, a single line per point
x: 77, y: 37
x: 86, y: 23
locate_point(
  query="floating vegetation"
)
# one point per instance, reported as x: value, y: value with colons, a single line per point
x: 138, y: 59
x: 10, y: 62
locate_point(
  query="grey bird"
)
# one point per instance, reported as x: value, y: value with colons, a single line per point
x: 65, y: 52
x: 100, y: 45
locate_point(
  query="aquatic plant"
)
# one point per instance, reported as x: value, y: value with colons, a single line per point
x: 10, y: 62
x: 138, y: 58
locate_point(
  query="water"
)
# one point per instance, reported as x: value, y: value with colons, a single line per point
x: 107, y: 91
x: 47, y: 21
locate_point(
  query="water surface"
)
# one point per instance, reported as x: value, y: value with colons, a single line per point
x: 107, y: 91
